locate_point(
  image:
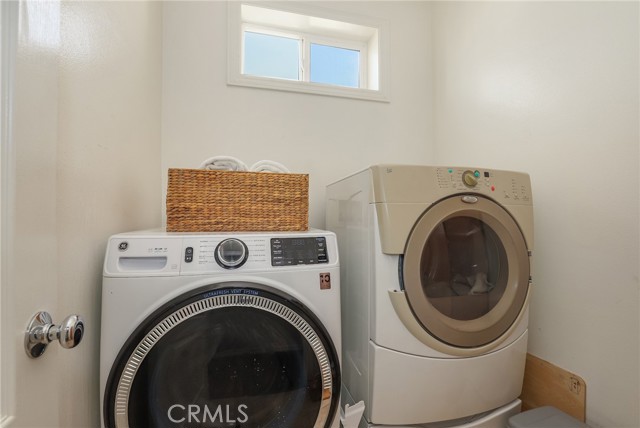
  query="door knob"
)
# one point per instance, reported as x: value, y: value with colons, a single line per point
x: 42, y: 331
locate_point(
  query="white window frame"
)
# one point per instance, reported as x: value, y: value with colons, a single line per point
x: 373, y: 64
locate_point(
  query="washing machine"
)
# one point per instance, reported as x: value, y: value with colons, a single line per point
x: 436, y: 273
x: 221, y: 330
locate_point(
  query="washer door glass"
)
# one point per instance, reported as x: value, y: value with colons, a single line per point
x: 466, y: 271
x: 232, y: 357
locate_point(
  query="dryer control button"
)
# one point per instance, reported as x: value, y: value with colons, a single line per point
x: 231, y: 253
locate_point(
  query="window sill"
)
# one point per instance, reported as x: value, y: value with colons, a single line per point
x: 306, y: 87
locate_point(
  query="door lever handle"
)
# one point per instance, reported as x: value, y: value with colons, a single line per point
x: 42, y: 331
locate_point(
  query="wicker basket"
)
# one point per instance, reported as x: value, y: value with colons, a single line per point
x: 211, y: 201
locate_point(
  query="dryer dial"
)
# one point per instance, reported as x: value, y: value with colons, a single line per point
x: 470, y: 178
x: 231, y: 253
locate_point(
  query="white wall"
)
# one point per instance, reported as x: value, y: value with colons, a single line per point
x: 324, y: 136
x: 551, y: 88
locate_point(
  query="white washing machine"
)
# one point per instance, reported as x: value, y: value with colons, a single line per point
x: 436, y: 271
x: 221, y: 330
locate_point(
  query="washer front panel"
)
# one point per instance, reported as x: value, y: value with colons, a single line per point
x: 226, y: 357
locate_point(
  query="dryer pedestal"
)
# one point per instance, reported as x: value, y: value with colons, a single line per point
x: 457, y: 387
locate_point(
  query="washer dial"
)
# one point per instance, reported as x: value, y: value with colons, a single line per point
x: 231, y: 253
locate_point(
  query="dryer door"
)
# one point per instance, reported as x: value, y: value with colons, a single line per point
x: 466, y: 271
x: 230, y: 355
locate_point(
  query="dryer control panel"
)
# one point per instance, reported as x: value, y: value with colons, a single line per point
x: 420, y: 184
x: 506, y: 186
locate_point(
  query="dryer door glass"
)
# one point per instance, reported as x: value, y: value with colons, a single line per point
x: 464, y: 268
x: 235, y: 357
x: 466, y: 271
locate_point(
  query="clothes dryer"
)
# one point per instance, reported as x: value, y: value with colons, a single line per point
x: 436, y: 272
x: 221, y: 330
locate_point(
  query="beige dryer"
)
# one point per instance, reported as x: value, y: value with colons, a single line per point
x: 436, y: 272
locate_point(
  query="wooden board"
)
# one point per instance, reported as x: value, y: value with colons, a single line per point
x: 548, y: 385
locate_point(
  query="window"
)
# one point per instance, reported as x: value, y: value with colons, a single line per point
x: 302, y: 57
x: 306, y: 50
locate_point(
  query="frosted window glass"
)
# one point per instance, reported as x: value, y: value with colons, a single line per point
x: 271, y: 56
x: 335, y: 66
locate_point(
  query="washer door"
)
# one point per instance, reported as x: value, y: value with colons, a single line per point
x: 466, y: 271
x: 230, y: 355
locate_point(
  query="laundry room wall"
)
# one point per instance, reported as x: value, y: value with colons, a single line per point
x: 551, y: 88
x: 327, y: 137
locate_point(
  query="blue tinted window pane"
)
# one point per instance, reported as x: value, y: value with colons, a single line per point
x: 335, y: 66
x: 271, y: 56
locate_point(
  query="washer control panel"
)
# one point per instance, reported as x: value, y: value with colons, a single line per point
x: 150, y: 253
x: 248, y: 252
x: 298, y: 251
